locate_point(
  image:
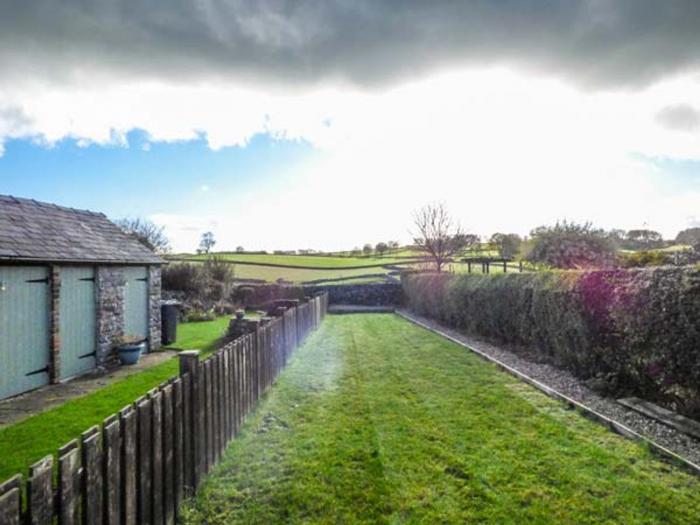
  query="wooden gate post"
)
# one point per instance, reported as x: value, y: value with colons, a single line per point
x: 189, y: 365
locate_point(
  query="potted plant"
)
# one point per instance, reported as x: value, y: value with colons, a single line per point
x: 129, y: 349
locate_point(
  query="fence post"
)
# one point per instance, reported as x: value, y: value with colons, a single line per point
x: 144, y: 463
x: 129, y: 480
x: 11, y: 501
x: 40, y: 493
x: 157, y: 457
x: 69, y: 471
x: 190, y: 366
x: 179, y: 441
x: 111, y: 446
x: 168, y: 455
x: 92, y: 476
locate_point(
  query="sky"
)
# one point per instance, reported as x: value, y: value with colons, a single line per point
x: 288, y: 125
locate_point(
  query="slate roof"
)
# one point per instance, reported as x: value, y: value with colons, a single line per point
x: 42, y: 232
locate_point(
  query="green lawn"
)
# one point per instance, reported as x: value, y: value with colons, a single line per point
x: 202, y: 336
x: 28, y: 441
x: 378, y: 421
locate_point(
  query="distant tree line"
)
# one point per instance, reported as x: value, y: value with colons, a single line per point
x: 441, y: 239
x: 566, y: 244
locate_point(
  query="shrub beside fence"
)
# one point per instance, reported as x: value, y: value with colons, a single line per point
x: 140, y: 465
x: 631, y: 331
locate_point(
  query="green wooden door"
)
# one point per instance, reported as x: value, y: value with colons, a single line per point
x: 136, y: 302
x: 78, y: 320
x: 24, y: 328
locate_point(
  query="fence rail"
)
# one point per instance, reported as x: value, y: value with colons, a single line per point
x: 142, y: 462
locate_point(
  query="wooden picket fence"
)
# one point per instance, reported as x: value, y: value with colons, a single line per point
x: 140, y: 465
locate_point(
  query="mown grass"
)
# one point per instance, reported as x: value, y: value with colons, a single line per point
x: 27, y: 441
x: 378, y: 421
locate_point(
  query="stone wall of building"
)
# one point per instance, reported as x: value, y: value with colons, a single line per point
x: 154, y: 297
x: 110, y: 286
x: 55, y: 336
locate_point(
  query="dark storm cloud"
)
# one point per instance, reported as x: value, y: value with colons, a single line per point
x: 681, y: 117
x: 599, y: 43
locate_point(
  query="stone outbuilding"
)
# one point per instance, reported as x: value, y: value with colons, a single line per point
x: 71, y: 283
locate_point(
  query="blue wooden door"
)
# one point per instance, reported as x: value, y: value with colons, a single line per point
x: 136, y: 302
x: 24, y: 328
x: 78, y: 320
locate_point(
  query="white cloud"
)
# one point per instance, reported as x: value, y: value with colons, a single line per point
x: 504, y: 150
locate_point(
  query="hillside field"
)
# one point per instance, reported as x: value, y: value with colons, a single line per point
x: 340, y: 267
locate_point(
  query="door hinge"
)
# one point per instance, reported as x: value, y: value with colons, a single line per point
x: 45, y: 280
x: 91, y: 354
x: 88, y: 279
x: 142, y: 279
x: 44, y: 370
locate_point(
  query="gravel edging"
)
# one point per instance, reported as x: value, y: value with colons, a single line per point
x: 572, y: 387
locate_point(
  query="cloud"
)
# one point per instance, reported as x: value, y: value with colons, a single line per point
x: 680, y: 117
x: 505, y: 151
x: 538, y: 103
x: 14, y: 122
x: 599, y: 43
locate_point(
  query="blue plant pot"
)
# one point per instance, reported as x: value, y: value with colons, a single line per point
x: 130, y: 354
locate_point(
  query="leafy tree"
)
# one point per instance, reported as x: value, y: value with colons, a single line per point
x: 570, y: 245
x: 507, y: 244
x: 240, y: 249
x: 367, y: 249
x: 207, y: 242
x: 470, y: 240
x: 393, y: 246
x: 381, y: 248
x: 618, y: 236
x: 690, y: 236
x: 437, y: 235
x: 643, y: 240
x: 147, y: 233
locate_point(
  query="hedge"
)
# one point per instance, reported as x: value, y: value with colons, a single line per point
x: 631, y: 332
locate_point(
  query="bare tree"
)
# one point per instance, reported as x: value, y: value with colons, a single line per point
x: 146, y: 232
x: 437, y: 234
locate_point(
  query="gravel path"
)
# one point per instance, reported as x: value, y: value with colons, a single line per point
x: 567, y: 384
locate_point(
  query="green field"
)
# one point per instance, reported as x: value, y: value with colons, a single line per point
x: 330, y: 268
x: 312, y: 261
x: 271, y: 274
x: 28, y: 441
x: 321, y: 268
x: 377, y: 421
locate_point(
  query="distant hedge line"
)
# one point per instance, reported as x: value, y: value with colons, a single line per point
x: 633, y: 332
